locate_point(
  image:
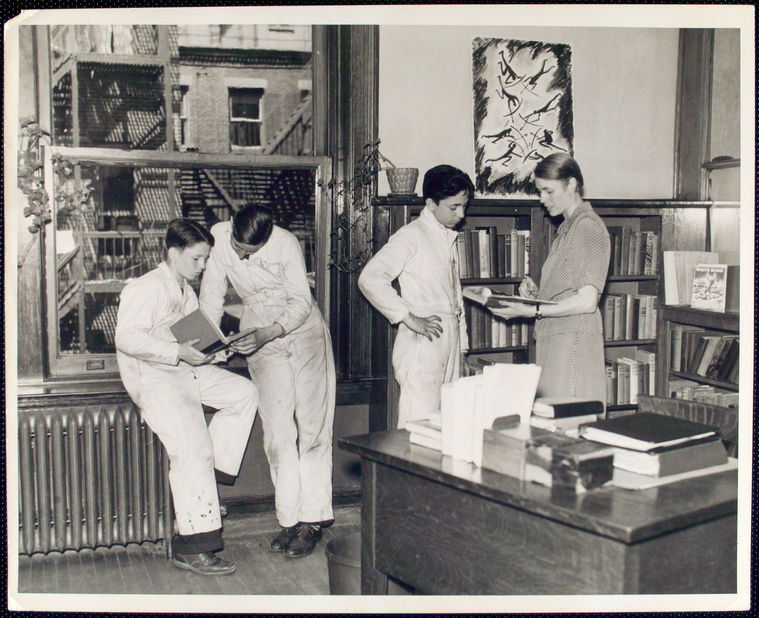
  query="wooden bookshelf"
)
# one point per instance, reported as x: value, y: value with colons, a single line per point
x: 727, y: 323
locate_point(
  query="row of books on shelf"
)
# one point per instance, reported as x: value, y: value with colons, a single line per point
x: 705, y: 353
x: 488, y: 331
x: 629, y: 316
x: 485, y: 253
x: 703, y: 393
x: 626, y: 378
x: 633, y: 252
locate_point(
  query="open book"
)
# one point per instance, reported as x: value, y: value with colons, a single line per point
x: 488, y: 298
x: 199, y: 325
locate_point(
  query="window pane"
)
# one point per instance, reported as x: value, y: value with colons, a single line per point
x: 245, y: 133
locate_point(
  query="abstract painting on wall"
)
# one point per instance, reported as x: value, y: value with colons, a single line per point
x: 522, y: 110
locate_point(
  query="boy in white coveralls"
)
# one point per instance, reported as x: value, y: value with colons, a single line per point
x: 289, y: 359
x: 431, y: 341
x: 170, y: 381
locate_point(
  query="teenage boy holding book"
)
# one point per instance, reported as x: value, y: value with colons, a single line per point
x: 170, y: 382
x: 429, y: 348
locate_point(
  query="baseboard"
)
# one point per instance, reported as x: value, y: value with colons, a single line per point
x: 246, y: 505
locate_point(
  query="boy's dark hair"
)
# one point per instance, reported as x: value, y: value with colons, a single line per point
x: 252, y: 224
x: 183, y: 233
x: 445, y: 181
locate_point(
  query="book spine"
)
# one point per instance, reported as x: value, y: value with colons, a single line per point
x: 625, y: 265
x: 493, y: 250
x: 483, y: 243
x: 462, y: 255
x: 514, y: 237
x: 501, y: 253
x: 608, y: 317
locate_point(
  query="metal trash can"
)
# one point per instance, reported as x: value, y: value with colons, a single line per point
x: 344, y: 564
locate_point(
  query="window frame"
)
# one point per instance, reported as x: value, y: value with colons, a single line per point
x: 259, y: 121
x: 97, y: 366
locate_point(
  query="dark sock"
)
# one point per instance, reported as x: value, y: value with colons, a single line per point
x: 199, y: 543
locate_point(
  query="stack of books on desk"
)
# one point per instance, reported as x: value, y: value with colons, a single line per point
x: 566, y: 414
x: 648, y: 445
x: 426, y: 432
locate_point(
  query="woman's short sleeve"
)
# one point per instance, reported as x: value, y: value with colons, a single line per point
x: 591, y: 248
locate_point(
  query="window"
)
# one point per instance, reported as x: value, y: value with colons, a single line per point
x: 119, y: 233
x: 184, y: 116
x: 245, y: 117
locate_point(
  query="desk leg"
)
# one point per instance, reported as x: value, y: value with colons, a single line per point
x: 372, y: 580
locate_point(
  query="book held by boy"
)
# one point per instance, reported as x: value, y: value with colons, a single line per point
x: 646, y: 431
x: 199, y: 325
x: 488, y: 298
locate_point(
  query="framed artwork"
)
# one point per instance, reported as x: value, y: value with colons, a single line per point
x: 522, y: 110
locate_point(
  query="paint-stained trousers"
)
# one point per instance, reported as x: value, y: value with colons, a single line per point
x: 295, y: 375
x: 422, y: 367
x: 171, y: 404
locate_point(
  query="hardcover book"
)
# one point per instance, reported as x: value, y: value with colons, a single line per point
x: 709, y: 287
x: 488, y: 298
x: 562, y: 407
x: 693, y: 456
x: 647, y: 431
x: 199, y: 325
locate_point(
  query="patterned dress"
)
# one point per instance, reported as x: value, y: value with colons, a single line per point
x: 570, y: 349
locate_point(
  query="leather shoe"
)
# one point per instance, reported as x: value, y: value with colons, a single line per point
x: 308, y: 535
x: 283, y: 539
x: 206, y: 563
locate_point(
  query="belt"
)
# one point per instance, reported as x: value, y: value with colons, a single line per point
x: 264, y: 296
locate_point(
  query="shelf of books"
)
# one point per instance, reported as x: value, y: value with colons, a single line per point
x: 701, y: 351
x: 629, y: 305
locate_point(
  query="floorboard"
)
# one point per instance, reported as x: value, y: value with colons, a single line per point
x: 143, y: 569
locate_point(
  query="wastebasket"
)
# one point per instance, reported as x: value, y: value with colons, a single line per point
x: 344, y: 564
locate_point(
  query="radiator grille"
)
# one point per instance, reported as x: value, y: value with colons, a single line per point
x: 90, y: 477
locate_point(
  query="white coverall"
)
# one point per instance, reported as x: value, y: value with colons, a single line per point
x: 295, y: 373
x: 170, y: 394
x: 422, y: 255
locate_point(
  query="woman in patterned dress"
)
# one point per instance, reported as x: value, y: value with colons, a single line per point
x: 569, y: 334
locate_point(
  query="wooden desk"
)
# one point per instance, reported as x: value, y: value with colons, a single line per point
x: 444, y: 526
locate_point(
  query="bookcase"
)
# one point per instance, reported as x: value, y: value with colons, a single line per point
x: 679, y: 363
x: 630, y: 301
x: 677, y: 224
x: 495, y: 217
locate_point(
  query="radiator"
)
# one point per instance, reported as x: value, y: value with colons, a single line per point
x: 90, y: 476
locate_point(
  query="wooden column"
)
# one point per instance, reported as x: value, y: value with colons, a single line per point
x: 34, y: 99
x: 353, y: 122
x: 693, y: 112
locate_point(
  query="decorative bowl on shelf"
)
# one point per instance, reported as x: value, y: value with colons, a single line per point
x: 402, y: 180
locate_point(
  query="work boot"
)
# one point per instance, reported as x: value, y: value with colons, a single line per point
x: 281, y: 542
x: 207, y: 563
x: 307, y: 536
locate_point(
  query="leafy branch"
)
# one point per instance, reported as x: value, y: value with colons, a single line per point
x: 70, y: 200
x: 353, y: 198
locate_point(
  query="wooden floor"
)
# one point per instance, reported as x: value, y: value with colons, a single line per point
x: 143, y: 569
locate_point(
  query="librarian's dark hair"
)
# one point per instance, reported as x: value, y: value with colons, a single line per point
x: 559, y: 166
x: 183, y: 233
x: 444, y: 181
x: 252, y: 224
